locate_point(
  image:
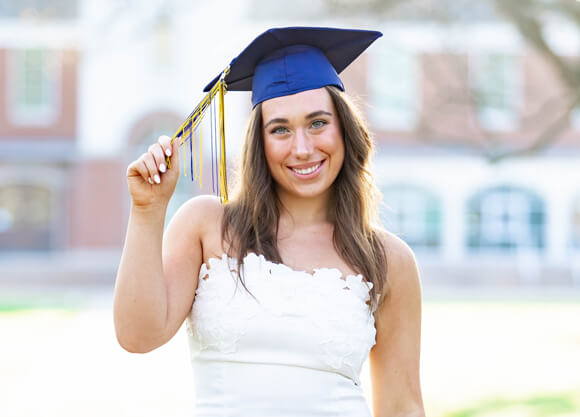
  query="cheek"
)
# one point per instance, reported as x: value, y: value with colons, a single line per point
x: 335, y: 146
x: 275, y: 153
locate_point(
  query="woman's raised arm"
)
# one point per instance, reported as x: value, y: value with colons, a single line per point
x: 156, y: 279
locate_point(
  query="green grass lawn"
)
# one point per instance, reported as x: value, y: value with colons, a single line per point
x: 541, y: 405
x: 29, y: 304
x: 501, y: 358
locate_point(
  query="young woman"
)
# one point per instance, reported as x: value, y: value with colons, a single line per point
x: 287, y: 289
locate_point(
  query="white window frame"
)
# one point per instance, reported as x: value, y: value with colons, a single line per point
x: 415, y: 220
x: 19, y: 112
x: 492, y: 227
x: 387, y: 117
x: 490, y: 118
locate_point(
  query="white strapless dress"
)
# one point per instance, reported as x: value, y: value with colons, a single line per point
x: 297, y: 350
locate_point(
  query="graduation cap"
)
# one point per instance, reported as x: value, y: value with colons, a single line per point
x: 279, y: 62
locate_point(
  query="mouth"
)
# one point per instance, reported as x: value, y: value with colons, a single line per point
x: 307, y: 170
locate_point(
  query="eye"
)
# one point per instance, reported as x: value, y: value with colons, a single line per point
x: 279, y: 130
x: 318, y: 123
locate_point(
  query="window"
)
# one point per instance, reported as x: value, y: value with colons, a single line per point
x: 494, y: 84
x: 505, y: 218
x: 25, y: 217
x: 392, y: 88
x: 414, y: 214
x: 34, y: 86
x: 49, y: 9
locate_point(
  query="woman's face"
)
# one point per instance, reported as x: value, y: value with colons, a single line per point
x: 303, y: 142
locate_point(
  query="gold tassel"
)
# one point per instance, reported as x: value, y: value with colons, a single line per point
x: 196, y: 176
x: 184, y: 160
x: 222, y: 164
x: 192, y: 122
x: 200, y: 155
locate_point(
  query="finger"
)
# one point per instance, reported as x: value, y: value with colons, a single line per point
x: 138, y: 168
x: 165, y: 143
x: 158, y: 156
x: 174, y: 159
x: 151, y: 166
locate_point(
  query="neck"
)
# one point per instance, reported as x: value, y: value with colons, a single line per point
x: 304, y: 212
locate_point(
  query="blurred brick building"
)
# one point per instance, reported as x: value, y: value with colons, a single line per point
x: 86, y: 86
x: 47, y: 207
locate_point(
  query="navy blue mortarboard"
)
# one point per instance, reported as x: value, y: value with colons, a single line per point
x: 277, y: 63
x: 284, y: 61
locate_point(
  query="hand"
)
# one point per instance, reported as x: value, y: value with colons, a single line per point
x: 151, y: 183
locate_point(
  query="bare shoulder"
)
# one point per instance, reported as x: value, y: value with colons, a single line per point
x: 402, y: 268
x: 196, y: 223
x: 200, y: 212
x: 202, y: 204
x: 399, y: 254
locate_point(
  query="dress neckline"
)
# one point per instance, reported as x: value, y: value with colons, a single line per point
x: 315, y: 271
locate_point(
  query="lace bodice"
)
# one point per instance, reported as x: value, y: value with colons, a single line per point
x: 319, y: 323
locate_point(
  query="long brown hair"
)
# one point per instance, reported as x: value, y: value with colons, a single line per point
x: 250, y: 221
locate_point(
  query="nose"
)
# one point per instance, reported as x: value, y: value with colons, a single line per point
x: 303, y: 146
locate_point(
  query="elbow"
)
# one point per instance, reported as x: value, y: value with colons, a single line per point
x: 134, y: 343
x: 135, y: 338
x: 133, y: 346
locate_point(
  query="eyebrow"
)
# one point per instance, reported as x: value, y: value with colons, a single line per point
x: 308, y: 116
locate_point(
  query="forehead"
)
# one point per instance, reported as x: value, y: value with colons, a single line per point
x: 297, y: 104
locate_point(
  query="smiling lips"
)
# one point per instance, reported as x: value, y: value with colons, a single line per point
x: 308, y: 170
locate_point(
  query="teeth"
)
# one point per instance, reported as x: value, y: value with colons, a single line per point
x: 306, y: 170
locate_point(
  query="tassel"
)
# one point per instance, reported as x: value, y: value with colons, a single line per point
x: 190, y: 154
x: 200, y: 157
x: 187, y: 132
x: 192, y: 140
x: 183, y: 155
x: 213, y: 150
x: 223, y: 178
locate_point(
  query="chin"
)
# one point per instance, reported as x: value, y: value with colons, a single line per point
x: 307, y: 193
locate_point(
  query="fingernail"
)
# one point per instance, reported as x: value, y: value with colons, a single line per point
x: 150, y: 180
x: 157, y: 179
x: 168, y: 151
x: 162, y: 168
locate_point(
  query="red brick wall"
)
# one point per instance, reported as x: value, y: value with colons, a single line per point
x: 64, y: 126
x: 97, y: 205
x: 446, y: 112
